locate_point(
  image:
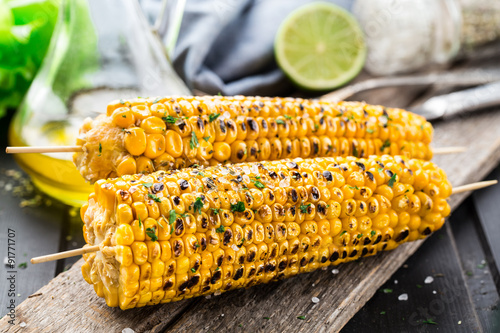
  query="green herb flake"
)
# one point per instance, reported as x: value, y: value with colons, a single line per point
x: 100, y: 149
x: 301, y: 317
x: 386, y: 144
x: 23, y: 265
x: 169, y: 119
x: 342, y: 233
x: 124, y: 116
x: 157, y: 99
x: 122, y: 101
x: 151, y: 232
x: 239, y: 207
x: 193, y: 270
x: 257, y: 183
x: 213, y: 116
x: 215, y: 210
x: 196, y: 245
x: 220, y: 229
x: 392, y: 180
x: 419, y: 286
x: 193, y: 143
x: 154, y: 197
x: 147, y: 185
x: 280, y: 121
x: 172, y: 217
x: 206, y: 138
x: 373, y: 233
x: 198, y: 205
x: 422, y: 127
x: 355, y: 151
x: 354, y: 187
x: 382, y: 312
x: 140, y: 222
x: 469, y: 273
x: 430, y: 322
x: 387, y: 291
x: 266, y: 318
x: 369, y: 130
x: 287, y: 117
x: 359, y: 236
x: 304, y: 208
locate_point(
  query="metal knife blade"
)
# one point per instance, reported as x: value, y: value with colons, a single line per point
x: 464, y: 101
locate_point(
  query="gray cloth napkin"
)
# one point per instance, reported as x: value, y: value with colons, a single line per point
x: 226, y: 46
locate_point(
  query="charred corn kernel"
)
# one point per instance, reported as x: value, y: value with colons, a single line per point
x: 241, y: 129
x: 179, y: 234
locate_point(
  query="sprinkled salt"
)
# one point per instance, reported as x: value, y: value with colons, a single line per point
x: 23, y: 324
x: 459, y: 322
x: 222, y: 315
x: 429, y: 280
x: 246, y: 170
x: 255, y: 169
x: 315, y: 300
x: 434, y: 292
x: 335, y: 271
x: 403, y: 297
x: 217, y: 293
x: 6, y: 261
x: 226, y: 115
x: 128, y: 330
x: 8, y: 187
x: 224, y: 171
x: 235, y: 247
x: 313, y: 285
x: 246, y: 179
x: 395, y: 281
x: 485, y: 272
x: 208, y: 296
x: 285, y: 182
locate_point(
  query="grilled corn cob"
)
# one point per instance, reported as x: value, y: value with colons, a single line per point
x: 145, y: 135
x: 177, y: 234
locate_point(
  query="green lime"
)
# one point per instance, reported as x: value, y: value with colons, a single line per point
x: 320, y: 46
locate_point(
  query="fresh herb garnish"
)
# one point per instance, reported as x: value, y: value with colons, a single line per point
x: 304, y: 208
x: 430, y: 322
x: 342, y: 233
x: 239, y: 207
x: 355, y: 151
x: 369, y: 130
x: 151, y: 232
x: 122, y: 101
x: 154, y: 197
x: 353, y: 187
x: 301, y: 317
x: 198, y: 205
x: 373, y: 233
x: 382, y: 312
x: 287, y: 116
x: 206, y: 138
x: 280, y: 121
x: 140, y: 222
x: 157, y: 99
x: 257, y: 183
x: 392, y: 180
x: 147, y: 185
x: 387, y: 291
x: 360, y: 235
x: 169, y: 119
x: 100, y: 149
x: 193, y: 143
x: 213, y: 116
x: 172, y: 217
x: 23, y: 265
x: 220, y: 229
x: 386, y: 144
x: 215, y: 210
x: 266, y: 318
x: 193, y: 270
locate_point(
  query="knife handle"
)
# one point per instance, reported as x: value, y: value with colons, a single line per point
x: 471, y: 99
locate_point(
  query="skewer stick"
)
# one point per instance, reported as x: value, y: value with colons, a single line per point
x: 72, y: 149
x: 448, y: 150
x: 473, y: 186
x: 42, y: 149
x: 65, y: 254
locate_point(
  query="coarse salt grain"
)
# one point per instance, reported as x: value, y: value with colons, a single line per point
x: 208, y: 296
x: 395, y: 281
x: 235, y: 247
x: 217, y: 293
x: 255, y: 169
x: 403, y: 297
x: 429, y: 280
x: 434, y: 292
x: 128, y: 330
x: 23, y: 324
x: 335, y: 271
x: 315, y: 300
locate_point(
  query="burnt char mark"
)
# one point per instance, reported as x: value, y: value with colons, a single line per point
x: 252, y: 124
x: 364, y: 252
x: 379, y: 238
x: 334, y: 256
x: 238, y: 274
x: 222, y: 126
x: 402, y: 236
x: 183, y: 184
x: 370, y: 175
x: 169, y: 284
x: 315, y: 193
x: 240, y: 154
x: 361, y: 166
x: 176, y: 200
x: 292, y: 165
x: 427, y: 231
x: 216, y: 277
x: 328, y: 176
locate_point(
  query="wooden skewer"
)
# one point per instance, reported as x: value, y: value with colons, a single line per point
x: 88, y: 249
x: 65, y: 254
x: 73, y: 149
x: 43, y: 149
x: 448, y: 150
x: 473, y: 186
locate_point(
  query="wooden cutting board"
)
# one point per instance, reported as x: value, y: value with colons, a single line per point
x: 68, y: 303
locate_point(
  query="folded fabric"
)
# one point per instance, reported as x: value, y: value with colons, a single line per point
x: 226, y: 46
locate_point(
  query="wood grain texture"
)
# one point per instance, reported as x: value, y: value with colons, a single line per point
x: 76, y: 308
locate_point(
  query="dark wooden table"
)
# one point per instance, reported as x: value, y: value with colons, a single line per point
x: 462, y: 259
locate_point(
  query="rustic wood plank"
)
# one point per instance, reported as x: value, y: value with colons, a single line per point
x: 36, y: 231
x: 464, y: 224
x: 75, y: 305
x: 449, y: 305
x: 488, y: 209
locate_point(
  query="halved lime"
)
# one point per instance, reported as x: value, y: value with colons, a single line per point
x: 320, y: 46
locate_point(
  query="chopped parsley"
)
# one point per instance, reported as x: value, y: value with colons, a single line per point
x: 198, y: 205
x: 193, y: 143
x: 382, y: 312
x: 213, y: 116
x: 206, y: 138
x: 386, y: 144
x: 124, y: 116
x: 342, y: 233
x: 218, y: 268
x: 266, y: 318
x: 172, y: 216
x: 355, y: 151
x: 373, y: 233
x: 430, y: 322
x: 100, y: 149
x: 369, y: 130
x: 157, y: 99
x: 257, y: 183
x: 419, y: 286
x: 196, y: 245
x: 220, y: 229
x: 316, y: 127
x: 354, y: 187
x: 287, y: 116
x: 239, y: 207
x: 154, y: 197
x: 360, y: 235
x: 151, y: 232
x: 122, y: 101
x: 169, y: 119
x: 392, y: 180
x: 193, y: 270
x: 304, y: 208
x: 387, y: 291
x: 301, y: 317
x: 216, y: 210
x: 140, y: 222
x: 280, y: 121
x: 23, y: 265
x: 147, y: 185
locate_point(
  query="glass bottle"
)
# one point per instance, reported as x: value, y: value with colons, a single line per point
x: 100, y: 51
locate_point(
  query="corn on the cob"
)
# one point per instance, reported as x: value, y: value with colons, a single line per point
x: 177, y: 234
x: 145, y: 135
